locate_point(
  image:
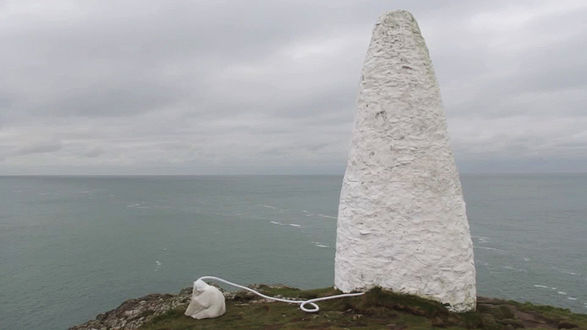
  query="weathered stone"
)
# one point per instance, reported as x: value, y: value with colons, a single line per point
x: 207, y: 302
x: 402, y: 222
x: 133, y: 313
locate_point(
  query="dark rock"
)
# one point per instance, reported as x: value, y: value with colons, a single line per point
x: 567, y: 325
x: 133, y: 313
x: 511, y: 322
x: 488, y: 321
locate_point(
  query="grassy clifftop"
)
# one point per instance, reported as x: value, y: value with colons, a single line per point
x: 377, y: 309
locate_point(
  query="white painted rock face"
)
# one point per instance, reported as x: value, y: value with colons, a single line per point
x: 207, y: 302
x: 402, y: 223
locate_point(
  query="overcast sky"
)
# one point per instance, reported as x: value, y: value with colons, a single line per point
x: 269, y: 87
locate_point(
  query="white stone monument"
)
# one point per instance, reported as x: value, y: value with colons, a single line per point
x: 402, y: 223
x: 207, y: 302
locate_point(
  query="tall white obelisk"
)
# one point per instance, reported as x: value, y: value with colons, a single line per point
x: 402, y: 223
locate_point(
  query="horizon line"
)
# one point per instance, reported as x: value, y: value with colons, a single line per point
x: 260, y: 174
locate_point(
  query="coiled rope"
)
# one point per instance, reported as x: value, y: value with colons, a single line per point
x: 311, y: 302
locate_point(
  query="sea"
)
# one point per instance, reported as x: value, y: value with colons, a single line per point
x: 73, y: 247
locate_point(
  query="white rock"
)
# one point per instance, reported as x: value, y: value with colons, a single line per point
x: 207, y: 302
x: 402, y: 223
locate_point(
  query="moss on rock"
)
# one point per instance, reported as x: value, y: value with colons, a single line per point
x: 377, y: 309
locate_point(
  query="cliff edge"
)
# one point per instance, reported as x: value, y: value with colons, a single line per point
x: 378, y: 309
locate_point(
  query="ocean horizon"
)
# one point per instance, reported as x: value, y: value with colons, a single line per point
x: 75, y: 246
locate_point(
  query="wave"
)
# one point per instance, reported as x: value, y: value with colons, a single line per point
x: 481, y: 239
x: 490, y: 248
x: 568, y: 272
x: 319, y: 244
x: 326, y: 216
x: 140, y: 205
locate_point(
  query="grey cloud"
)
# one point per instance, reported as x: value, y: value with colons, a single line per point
x: 111, y: 100
x: 18, y: 149
x: 93, y: 152
x: 269, y: 87
x: 42, y: 147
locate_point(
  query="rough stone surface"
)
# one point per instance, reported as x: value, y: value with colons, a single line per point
x: 133, y: 313
x: 402, y: 223
x: 207, y: 302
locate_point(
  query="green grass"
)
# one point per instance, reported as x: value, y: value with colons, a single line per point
x: 377, y: 309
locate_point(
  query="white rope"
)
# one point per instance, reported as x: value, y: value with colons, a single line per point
x: 312, y: 302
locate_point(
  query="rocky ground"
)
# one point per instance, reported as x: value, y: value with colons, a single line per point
x: 133, y: 313
x: 378, y: 309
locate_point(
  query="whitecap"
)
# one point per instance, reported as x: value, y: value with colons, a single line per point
x: 269, y: 207
x: 319, y: 244
x: 569, y: 273
x: 326, y: 216
x: 514, y: 269
x: 276, y: 223
x: 562, y: 293
x: 295, y: 225
x: 490, y: 248
x: 481, y: 239
x: 541, y: 286
x: 572, y: 298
